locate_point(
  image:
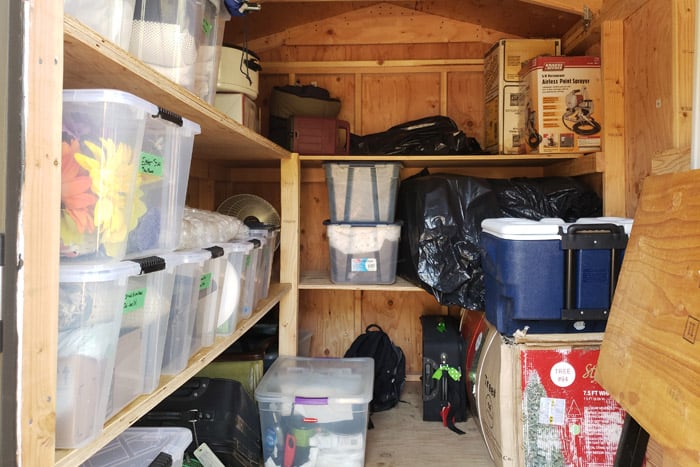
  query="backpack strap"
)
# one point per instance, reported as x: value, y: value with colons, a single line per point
x: 373, y: 325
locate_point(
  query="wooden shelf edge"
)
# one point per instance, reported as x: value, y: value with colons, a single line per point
x: 168, y: 384
x: 112, y: 67
x: 320, y: 280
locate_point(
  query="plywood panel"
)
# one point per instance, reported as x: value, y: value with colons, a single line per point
x: 314, y: 243
x: 650, y: 356
x: 648, y: 91
x: 465, y: 102
x: 379, y: 52
x: 330, y: 315
x: 391, y: 99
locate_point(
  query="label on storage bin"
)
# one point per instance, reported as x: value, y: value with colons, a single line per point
x: 205, y: 281
x: 363, y: 265
x: 151, y: 164
x: 134, y: 300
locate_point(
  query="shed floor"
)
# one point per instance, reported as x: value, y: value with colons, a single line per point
x: 400, y: 438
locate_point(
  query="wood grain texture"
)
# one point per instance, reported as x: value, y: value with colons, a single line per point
x: 650, y: 357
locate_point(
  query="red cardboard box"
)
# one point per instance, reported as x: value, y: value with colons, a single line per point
x: 538, y: 402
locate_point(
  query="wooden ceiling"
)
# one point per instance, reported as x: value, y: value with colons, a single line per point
x: 513, y: 18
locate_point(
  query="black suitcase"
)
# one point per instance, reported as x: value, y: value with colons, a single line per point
x: 220, y: 413
x: 444, y: 358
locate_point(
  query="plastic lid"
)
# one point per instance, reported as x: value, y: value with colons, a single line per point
x: 512, y: 228
x: 176, y: 258
x: 241, y: 246
x: 97, y: 272
x: 186, y: 126
x: 108, y: 95
x: 317, y: 381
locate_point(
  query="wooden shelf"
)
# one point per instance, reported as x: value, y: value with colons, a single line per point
x: 504, y: 160
x: 320, y: 280
x: 168, y: 384
x: 92, y: 61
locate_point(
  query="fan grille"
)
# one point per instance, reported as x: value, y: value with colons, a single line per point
x: 249, y: 206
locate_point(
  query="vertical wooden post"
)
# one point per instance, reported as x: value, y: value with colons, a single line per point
x: 290, y: 186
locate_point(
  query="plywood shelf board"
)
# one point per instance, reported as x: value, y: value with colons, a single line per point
x: 450, y: 160
x: 168, y: 384
x: 112, y: 67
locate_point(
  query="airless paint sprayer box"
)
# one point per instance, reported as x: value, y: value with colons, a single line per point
x: 562, y: 109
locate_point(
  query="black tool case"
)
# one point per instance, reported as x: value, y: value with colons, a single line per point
x: 443, y: 345
x: 220, y: 413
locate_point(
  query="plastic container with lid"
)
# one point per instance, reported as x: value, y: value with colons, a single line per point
x: 210, y: 289
x: 111, y: 19
x: 165, y: 35
x: 142, y: 334
x: 90, y: 305
x: 363, y: 253
x: 140, y: 446
x: 102, y: 138
x: 252, y: 282
x: 270, y: 235
x: 234, y: 287
x: 322, y: 402
x: 209, y: 51
x: 161, y: 183
x: 189, y: 265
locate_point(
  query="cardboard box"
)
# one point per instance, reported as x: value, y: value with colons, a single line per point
x: 538, y: 402
x: 502, y: 65
x: 562, y: 108
x: 240, y: 108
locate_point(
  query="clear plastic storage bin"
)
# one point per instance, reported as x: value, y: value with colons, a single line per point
x: 90, y: 305
x: 111, y: 18
x: 270, y: 237
x: 165, y: 35
x: 363, y: 253
x: 252, y: 283
x: 362, y: 191
x: 210, y: 288
x: 161, y: 184
x: 102, y: 139
x: 209, y: 51
x: 234, y: 288
x: 322, y: 404
x: 142, y: 334
x: 139, y: 446
x: 183, y: 308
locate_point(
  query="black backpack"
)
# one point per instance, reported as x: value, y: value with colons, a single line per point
x: 389, y: 366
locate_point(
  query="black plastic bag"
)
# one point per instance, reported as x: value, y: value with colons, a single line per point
x: 429, y: 135
x: 535, y: 198
x: 439, y: 248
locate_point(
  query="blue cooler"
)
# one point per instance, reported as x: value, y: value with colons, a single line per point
x: 549, y: 276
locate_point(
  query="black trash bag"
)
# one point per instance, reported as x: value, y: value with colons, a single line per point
x: 429, y: 135
x: 439, y: 248
x: 535, y: 198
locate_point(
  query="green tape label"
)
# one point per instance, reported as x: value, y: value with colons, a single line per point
x: 206, y: 26
x: 205, y: 281
x: 151, y: 164
x: 134, y: 300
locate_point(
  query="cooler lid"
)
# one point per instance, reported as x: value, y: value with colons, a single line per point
x: 511, y: 228
x: 317, y: 382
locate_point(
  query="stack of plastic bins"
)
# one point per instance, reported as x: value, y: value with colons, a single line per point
x: 165, y: 36
x: 209, y: 52
x: 188, y: 269
x: 142, y: 334
x: 320, y: 403
x: 102, y: 138
x: 90, y: 307
x: 270, y: 235
x: 161, y: 184
x: 210, y: 288
x: 362, y: 235
x: 111, y: 19
x: 233, y: 289
x: 140, y: 446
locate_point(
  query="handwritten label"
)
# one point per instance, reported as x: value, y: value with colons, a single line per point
x: 205, y: 281
x: 151, y: 164
x: 134, y: 300
x: 206, y: 26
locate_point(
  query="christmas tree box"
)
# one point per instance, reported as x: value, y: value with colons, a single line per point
x: 538, y: 402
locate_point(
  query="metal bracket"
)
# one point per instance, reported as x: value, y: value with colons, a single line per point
x: 587, y: 18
